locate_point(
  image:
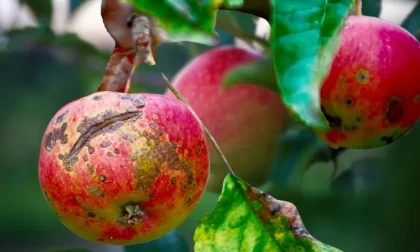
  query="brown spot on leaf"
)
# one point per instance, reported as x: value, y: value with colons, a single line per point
x: 394, y: 111
x: 273, y: 208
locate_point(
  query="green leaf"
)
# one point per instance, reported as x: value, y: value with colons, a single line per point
x: 246, y: 219
x: 172, y: 242
x: 371, y: 7
x: 259, y: 73
x: 412, y: 22
x: 304, y: 40
x: 42, y: 9
x: 185, y: 20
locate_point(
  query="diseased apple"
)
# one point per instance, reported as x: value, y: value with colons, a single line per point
x: 372, y: 94
x: 245, y: 119
x: 123, y: 168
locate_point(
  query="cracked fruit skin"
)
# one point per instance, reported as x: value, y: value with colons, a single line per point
x: 123, y: 168
x: 372, y: 94
x: 244, y: 119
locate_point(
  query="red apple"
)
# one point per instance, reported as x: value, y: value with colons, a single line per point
x: 123, y: 168
x: 372, y: 94
x: 245, y: 119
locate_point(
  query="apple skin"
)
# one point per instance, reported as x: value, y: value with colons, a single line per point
x: 371, y: 96
x: 245, y: 119
x: 123, y: 168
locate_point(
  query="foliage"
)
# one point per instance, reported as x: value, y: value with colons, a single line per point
x: 246, y: 219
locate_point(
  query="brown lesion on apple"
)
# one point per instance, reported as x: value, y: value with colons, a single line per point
x: 90, y: 127
x: 131, y: 214
x: 60, y: 118
x: 148, y: 163
x: 394, y: 111
x: 58, y: 134
x: 362, y: 76
x: 96, y: 191
x: 138, y: 101
x: 334, y: 122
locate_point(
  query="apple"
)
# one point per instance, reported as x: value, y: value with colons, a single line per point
x: 123, y: 168
x: 245, y: 120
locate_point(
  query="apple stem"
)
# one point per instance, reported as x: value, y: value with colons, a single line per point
x: 124, y: 60
x: 206, y: 131
x: 358, y: 8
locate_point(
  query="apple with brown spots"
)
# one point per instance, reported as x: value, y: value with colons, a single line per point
x: 245, y: 119
x: 123, y: 168
x: 372, y: 94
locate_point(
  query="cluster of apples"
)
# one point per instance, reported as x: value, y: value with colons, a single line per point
x: 129, y: 168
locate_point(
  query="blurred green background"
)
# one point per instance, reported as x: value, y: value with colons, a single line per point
x: 373, y: 205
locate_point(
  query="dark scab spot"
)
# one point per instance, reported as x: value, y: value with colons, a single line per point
x: 97, y: 97
x: 198, y: 150
x: 184, y: 186
x: 102, y: 178
x: 85, y: 158
x: 394, y: 111
x: 362, y: 76
x: 109, y: 154
x: 96, y: 191
x: 153, y: 125
x: 91, y: 149
x: 116, y: 151
x: 139, y: 101
x: 49, y: 141
x: 91, y: 215
x: 60, y: 156
x: 358, y: 119
x: 65, y: 139
x: 151, y: 195
x: 70, y: 162
x: 105, y: 143
x: 349, y: 101
x: 60, y: 118
x: 354, y: 127
x: 90, y: 169
x: 173, y: 181
x: 189, y: 199
x: 387, y: 139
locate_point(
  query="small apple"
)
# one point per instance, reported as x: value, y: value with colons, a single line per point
x: 245, y: 120
x: 371, y: 96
